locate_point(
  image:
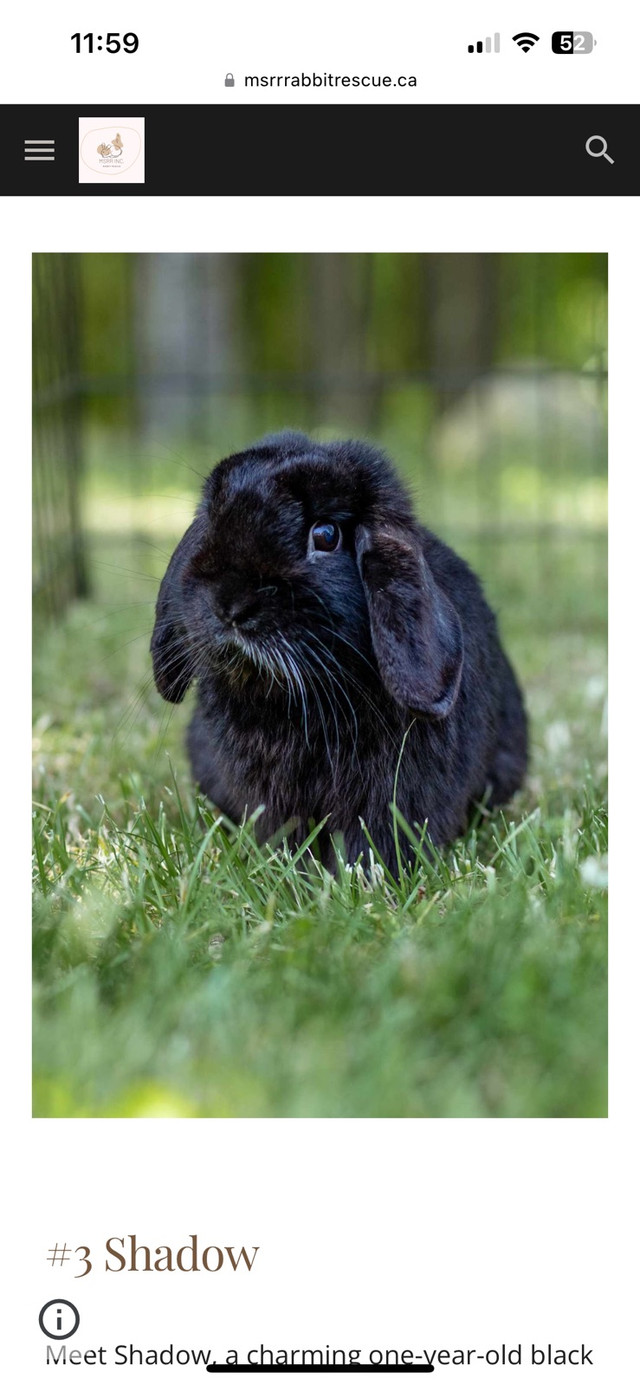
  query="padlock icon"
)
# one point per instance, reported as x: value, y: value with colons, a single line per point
x: 229, y: 80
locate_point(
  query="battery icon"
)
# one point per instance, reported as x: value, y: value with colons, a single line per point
x: 570, y: 41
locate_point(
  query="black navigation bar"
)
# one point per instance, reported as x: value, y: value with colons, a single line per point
x: 328, y: 150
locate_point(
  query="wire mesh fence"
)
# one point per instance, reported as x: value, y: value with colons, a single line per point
x: 484, y: 376
x: 59, y: 550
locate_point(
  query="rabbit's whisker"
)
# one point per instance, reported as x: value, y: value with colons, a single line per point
x: 348, y: 676
x: 337, y: 635
x: 175, y: 660
x: 333, y: 698
x: 312, y: 683
x: 290, y: 660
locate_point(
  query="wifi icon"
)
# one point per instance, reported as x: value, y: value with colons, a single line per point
x: 526, y: 41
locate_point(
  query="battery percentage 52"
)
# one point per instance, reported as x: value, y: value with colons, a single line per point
x: 567, y: 41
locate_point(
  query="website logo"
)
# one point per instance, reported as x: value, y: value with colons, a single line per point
x: 112, y: 152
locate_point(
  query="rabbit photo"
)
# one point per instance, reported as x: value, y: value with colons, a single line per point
x: 346, y: 660
x: 337, y: 846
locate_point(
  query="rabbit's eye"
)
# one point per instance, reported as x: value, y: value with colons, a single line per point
x: 325, y: 536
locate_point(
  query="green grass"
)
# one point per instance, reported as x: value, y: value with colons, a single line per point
x: 179, y: 970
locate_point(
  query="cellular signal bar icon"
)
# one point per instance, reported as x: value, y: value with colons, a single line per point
x: 489, y: 45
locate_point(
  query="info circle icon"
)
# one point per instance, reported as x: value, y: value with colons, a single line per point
x: 59, y: 1318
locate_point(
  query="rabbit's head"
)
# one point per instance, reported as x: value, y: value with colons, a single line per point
x: 305, y: 558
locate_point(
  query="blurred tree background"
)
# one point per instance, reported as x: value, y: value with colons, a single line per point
x: 483, y: 375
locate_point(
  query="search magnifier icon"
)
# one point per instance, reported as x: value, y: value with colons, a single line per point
x: 598, y: 153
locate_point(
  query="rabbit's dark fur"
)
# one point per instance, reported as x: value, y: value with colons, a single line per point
x: 312, y: 666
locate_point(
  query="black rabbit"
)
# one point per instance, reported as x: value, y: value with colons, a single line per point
x: 322, y: 623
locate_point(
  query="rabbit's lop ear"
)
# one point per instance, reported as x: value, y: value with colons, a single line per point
x: 172, y: 659
x: 415, y: 630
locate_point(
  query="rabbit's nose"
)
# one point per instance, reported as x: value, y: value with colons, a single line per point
x: 241, y: 609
